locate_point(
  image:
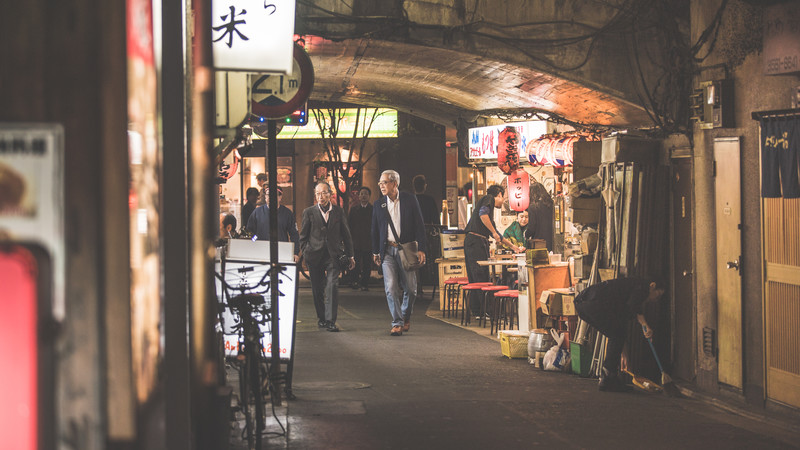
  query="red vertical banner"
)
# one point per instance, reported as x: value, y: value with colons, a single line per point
x: 18, y: 354
x: 519, y: 190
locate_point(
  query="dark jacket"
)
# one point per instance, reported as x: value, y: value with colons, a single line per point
x: 258, y: 224
x: 411, y: 226
x: 609, y: 306
x: 316, y: 236
x: 360, y: 221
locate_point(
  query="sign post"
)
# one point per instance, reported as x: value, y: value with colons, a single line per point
x: 275, y: 97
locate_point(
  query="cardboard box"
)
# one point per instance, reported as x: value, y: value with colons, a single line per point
x: 585, y: 202
x: 558, y: 302
x: 452, y: 243
x: 587, y: 154
x: 568, y: 305
x: 627, y: 148
x: 585, y: 216
x: 550, y: 302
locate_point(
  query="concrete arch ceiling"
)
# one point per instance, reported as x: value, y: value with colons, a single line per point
x: 443, y: 85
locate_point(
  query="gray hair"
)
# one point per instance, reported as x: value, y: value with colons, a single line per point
x: 393, y: 176
x: 324, y: 183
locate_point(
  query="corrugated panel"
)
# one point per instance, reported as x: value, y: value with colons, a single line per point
x: 792, y: 231
x: 783, y: 309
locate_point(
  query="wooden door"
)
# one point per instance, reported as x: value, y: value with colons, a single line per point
x: 727, y: 187
x: 683, y: 299
x: 781, y: 240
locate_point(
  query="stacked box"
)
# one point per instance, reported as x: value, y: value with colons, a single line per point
x: 452, y: 243
x: 537, y: 256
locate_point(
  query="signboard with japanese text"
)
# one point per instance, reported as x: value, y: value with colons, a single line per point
x: 781, y: 40
x: 253, y: 35
x: 246, y: 271
x: 32, y: 194
x: 483, y: 141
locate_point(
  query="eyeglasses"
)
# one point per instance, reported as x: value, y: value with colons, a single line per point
x: 322, y: 194
x: 384, y: 183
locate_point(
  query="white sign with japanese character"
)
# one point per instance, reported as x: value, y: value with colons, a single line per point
x: 253, y: 35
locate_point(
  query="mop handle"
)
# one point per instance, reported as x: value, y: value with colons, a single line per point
x: 655, y: 355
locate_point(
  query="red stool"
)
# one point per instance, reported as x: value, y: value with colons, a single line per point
x: 505, y: 310
x: 485, y: 301
x: 452, y: 293
x: 468, y: 289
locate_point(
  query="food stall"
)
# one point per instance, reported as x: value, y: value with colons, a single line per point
x: 520, y: 156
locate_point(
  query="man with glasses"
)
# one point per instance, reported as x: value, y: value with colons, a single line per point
x: 258, y: 223
x: 402, y: 209
x: 326, y: 242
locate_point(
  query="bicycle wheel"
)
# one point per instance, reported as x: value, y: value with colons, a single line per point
x: 245, y: 403
x: 257, y: 391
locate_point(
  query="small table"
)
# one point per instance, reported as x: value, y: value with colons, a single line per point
x: 507, y: 265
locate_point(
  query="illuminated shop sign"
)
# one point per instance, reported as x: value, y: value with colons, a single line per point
x: 483, y: 140
x: 385, y: 125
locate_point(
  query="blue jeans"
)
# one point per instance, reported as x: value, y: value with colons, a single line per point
x: 400, y: 286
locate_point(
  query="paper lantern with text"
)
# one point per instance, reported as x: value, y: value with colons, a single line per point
x: 227, y: 168
x: 508, y: 150
x: 518, y: 190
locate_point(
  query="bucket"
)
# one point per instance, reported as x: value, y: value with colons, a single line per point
x: 539, y: 341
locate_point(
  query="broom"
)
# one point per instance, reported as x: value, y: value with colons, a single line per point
x: 643, y: 383
x: 666, y: 381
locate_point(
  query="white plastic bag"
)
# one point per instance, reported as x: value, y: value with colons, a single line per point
x: 556, y: 358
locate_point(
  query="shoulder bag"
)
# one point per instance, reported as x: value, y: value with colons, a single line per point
x: 409, y: 252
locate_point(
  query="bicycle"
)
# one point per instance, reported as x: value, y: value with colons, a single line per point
x: 254, y: 369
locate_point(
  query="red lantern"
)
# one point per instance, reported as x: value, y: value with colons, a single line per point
x: 227, y: 168
x: 508, y: 150
x: 518, y: 189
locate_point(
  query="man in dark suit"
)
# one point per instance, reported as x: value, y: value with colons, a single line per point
x: 324, y: 240
x: 403, y: 210
x: 360, y: 220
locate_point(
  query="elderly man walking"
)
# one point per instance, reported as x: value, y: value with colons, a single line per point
x: 401, y: 209
x: 325, y: 241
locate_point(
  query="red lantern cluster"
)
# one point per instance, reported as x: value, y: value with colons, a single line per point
x: 508, y: 150
x: 518, y: 190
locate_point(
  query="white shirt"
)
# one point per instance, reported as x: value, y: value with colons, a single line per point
x: 394, y: 213
x: 325, y: 214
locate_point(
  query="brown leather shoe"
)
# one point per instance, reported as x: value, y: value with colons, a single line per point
x: 397, y: 331
x: 406, y: 325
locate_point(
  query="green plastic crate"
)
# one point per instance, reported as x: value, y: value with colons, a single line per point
x: 581, y: 359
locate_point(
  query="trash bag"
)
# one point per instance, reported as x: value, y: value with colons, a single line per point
x: 556, y: 358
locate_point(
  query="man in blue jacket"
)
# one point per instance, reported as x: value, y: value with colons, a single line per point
x: 403, y: 210
x: 258, y: 224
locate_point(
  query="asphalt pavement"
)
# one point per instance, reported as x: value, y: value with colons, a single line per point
x: 443, y: 386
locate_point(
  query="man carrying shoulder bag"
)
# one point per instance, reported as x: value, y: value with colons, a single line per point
x: 397, y: 228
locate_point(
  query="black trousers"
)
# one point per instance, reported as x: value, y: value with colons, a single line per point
x: 363, y: 267
x: 476, y: 249
x: 324, y: 276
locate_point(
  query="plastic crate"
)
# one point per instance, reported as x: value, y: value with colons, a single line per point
x: 581, y: 359
x: 514, y: 343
